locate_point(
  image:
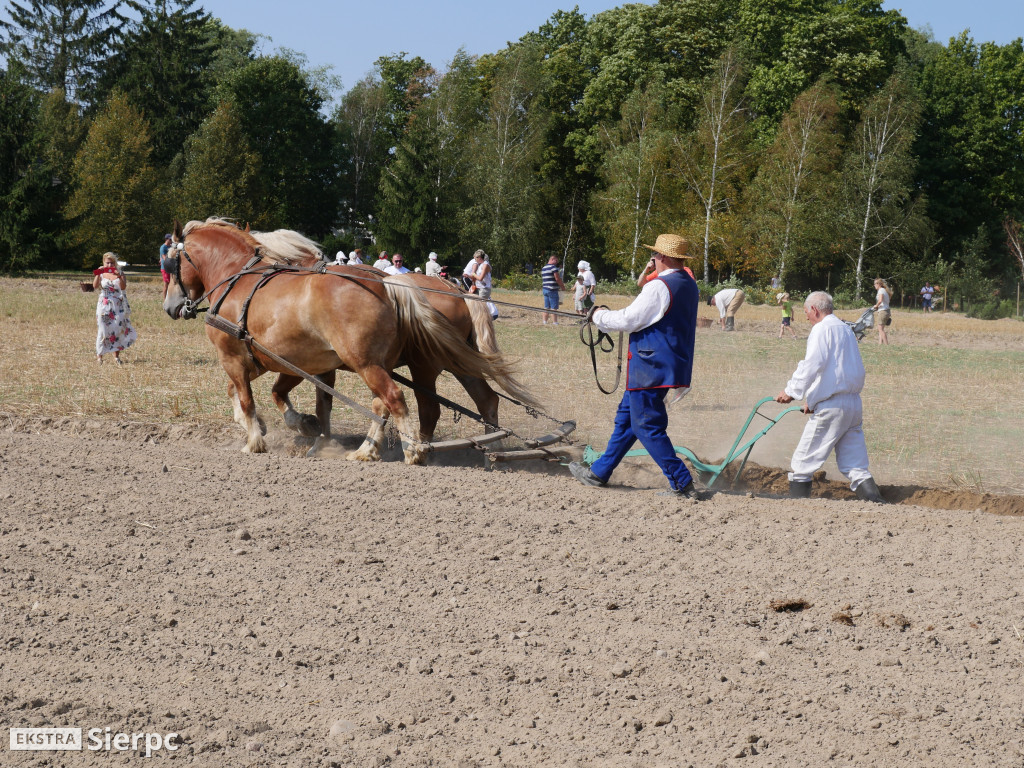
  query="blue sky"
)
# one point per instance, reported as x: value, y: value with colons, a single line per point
x: 349, y: 36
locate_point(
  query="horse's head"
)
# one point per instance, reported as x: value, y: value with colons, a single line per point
x: 186, y: 285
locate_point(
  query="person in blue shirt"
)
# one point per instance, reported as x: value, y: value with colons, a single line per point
x: 661, y: 323
x: 551, y: 283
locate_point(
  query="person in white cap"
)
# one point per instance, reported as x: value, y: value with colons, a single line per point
x: 356, y: 257
x: 589, y: 284
x: 433, y: 269
x: 340, y: 258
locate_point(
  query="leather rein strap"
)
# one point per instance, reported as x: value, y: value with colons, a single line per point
x: 605, y: 343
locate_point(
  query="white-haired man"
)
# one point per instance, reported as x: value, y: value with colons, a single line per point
x: 829, y: 379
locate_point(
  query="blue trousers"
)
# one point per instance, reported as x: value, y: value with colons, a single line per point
x: 642, y: 416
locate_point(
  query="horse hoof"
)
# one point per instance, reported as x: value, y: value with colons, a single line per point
x: 309, y: 426
x: 362, y: 455
x: 318, y: 446
x: 256, y: 446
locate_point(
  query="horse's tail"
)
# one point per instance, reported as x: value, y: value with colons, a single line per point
x: 431, y: 334
x: 483, y: 326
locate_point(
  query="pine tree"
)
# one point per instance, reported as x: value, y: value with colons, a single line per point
x: 60, y: 42
x: 162, y: 65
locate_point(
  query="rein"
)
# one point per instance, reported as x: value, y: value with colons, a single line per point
x: 605, y: 343
x: 190, y: 309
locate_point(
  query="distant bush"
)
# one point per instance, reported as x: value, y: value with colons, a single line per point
x: 993, y: 310
x: 518, y: 281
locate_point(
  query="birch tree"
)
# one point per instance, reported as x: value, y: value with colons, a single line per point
x: 791, y: 184
x: 712, y: 157
x: 634, y: 169
x: 506, y: 151
x: 878, y: 174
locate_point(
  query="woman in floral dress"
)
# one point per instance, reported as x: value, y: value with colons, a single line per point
x: 113, y: 314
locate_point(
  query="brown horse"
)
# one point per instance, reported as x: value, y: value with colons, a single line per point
x: 351, y: 318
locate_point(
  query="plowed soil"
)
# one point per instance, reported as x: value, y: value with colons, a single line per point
x: 280, y: 611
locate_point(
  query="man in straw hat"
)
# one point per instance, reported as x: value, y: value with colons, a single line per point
x: 661, y: 323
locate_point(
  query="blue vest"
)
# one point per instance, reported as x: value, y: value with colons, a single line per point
x: 661, y: 355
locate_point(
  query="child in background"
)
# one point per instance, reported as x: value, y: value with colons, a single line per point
x: 787, y: 314
x: 580, y: 295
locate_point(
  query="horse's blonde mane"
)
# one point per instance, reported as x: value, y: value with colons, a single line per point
x: 282, y: 246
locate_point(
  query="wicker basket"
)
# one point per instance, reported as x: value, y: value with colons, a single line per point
x: 86, y: 287
x: 704, y: 322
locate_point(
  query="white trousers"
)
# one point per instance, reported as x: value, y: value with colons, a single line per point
x: 835, y: 424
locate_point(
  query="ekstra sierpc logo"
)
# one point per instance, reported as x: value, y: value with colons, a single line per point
x: 70, y: 740
x: 47, y: 739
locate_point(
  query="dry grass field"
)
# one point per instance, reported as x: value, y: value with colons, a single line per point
x: 944, y: 405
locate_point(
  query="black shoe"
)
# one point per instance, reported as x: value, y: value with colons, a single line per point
x: 799, y: 489
x: 688, y: 491
x: 868, y: 491
x: 584, y: 475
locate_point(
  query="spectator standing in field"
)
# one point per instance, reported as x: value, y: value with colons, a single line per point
x: 340, y: 258
x: 883, y: 316
x: 551, y: 283
x: 829, y: 379
x: 397, y: 267
x: 926, y: 297
x: 382, y: 262
x: 661, y: 323
x: 787, y: 314
x: 113, y: 313
x: 433, y: 269
x: 728, y: 300
x: 166, y: 264
x: 479, y: 271
x: 356, y: 257
x: 589, y: 284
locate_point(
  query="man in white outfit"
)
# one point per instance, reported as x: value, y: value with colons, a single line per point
x: 433, y: 268
x: 829, y: 379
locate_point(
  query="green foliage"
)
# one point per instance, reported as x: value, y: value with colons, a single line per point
x: 629, y: 208
x: 993, y: 310
x: 422, y: 188
x: 518, y: 281
x: 279, y: 112
x: 163, y: 65
x: 119, y: 203
x: 501, y: 215
x: 222, y: 173
x: 59, y: 45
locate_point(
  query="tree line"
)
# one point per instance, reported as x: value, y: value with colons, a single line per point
x: 820, y: 141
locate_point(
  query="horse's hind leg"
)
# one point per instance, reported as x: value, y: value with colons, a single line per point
x: 388, y: 400
x: 425, y: 378
x: 485, y: 398
x: 304, y: 423
x: 324, y: 404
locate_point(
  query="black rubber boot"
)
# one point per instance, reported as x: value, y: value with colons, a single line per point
x: 799, y: 489
x: 730, y: 323
x: 868, y: 491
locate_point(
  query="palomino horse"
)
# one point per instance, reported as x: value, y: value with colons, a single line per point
x: 324, y: 322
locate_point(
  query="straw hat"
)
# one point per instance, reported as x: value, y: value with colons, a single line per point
x: 673, y: 246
